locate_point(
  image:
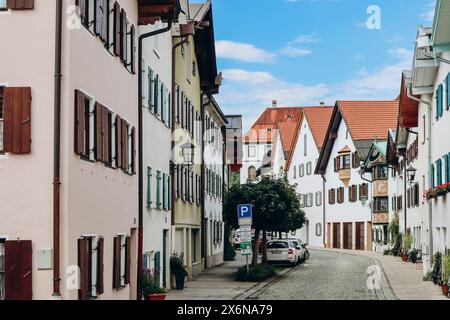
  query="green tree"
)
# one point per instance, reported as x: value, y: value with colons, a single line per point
x: 276, y: 207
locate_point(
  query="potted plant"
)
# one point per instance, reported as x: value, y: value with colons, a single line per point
x: 406, y: 246
x: 413, y: 255
x: 151, y: 289
x: 436, y: 271
x: 445, y: 274
x: 178, y: 269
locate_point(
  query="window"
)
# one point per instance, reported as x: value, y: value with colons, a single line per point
x: 318, y: 198
x: 381, y: 204
x: 164, y: 192
x: 151, y: 89
x: 302, y: 200
x: 2, y: 7
x: 149, y: 187
x: 302, y: 170
x: 84, y: 124
x: 424, y: 129
x: 439, y: 172
x: 267, y: 150
x: 309, y: 200
x: 295, y: 172
x: 318, y: 229
x: 90, y: 261
x: 344, y: 162
x: 194, y: 240
x: 340, y: 195
x: 309, y: 168
x: 380, y: 172
x: 122, y: 261
x: 1, y: 117
x: 305, y: 153
x: 447, y: 167
x: 251, y: 151
x: 158, y: 190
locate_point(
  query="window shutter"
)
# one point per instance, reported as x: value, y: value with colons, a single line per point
x: 100, y: 266
x: 439, y: 171
x: 447, y: 107
x: 116, y: 263
x: 133, y: 150
x: 127, y: 259
x: 106, y: 135
x: 123, y: 36
x: 118, y: 147
x: 18, y: 271
x: 439, y: 101
x: 124, y: 145
x: 79, y: 123
x: 83, y: 264
x: 98, y: 132
x: 117, y: 30
x: 99, y: 16
x: 132, y: 44
x: 17, y: 120
x: 20, y: 4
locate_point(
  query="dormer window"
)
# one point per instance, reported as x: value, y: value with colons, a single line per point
x: 380, y: 172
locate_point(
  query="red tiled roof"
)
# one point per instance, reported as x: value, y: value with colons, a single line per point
x: 260, y: 133
x: 276, y: 115
x: 345, y: 149
x: 367, y: 120
x: 318, y: 119
x: 287, y: 132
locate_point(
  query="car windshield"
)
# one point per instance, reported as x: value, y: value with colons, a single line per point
x: 295, y: 243
x: 278, y: 245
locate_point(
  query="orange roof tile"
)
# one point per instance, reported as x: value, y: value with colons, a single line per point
x: 367, y: 120
x: 318, y: 119
x: 276, y: 115
x: 260, y: 133
x: 287, y: 132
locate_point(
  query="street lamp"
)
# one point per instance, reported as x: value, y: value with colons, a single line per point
x: 364, y: 200
x: 187, y: 154
x: 411, y: 174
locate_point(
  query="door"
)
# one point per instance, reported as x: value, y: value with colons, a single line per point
x: 165, y: 256
x: 18, y: 272
x: 329, y: 235
x: 348, y: 235
x: 359, y: 245
x: 368, y: 236
x: 336, y: 235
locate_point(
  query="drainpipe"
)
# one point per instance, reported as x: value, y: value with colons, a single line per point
x: 141, y: 156
x: 430, y: 158
x: 57, y: 153
x: 202, y: 179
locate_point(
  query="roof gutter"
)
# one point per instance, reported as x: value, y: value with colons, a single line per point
x: 141, y: 156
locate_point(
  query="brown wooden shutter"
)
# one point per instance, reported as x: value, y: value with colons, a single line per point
x: 20, y: 4
x: 83, y: 264
x: 117, y: 30
x: 118, y: 146
x: 79, y: 123
x: 132, y: 44
x: 98, y: 132
x: 18, y: 270
x: 17, y: 120
x: 106, y: 135
x: 133, y: 150
x: 123, y: 35
x: 127, y: 259
x: 116, y: 263
x: 124, y: 145
x: 100, y: 266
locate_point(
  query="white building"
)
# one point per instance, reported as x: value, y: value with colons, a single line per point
x: 308, y: 141
x: 215, y: 181
x: 353, y: 127
x: 157, y: 137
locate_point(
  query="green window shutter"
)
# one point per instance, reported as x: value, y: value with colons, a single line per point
x: 447, y: 168
x: 439, y: 102
x: 157, y: 261
x: 439, y: 172
x: 163, y: 102
x: 149, y: 188
x: 169, y: 178
x: 448, y: 92
x: 158, y: 189
x: 432, y: 185
x: 164, y: 195
x: 156, y: 82
x: 151, y: 98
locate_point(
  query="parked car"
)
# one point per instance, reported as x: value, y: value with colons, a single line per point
x: 282, y: 252
x: 236, y: 241
x: 300, y: 250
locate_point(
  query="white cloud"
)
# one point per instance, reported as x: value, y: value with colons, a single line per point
x: 429, y: 15
x: 305, y: 38
x: 294, y: 52
x: 243, y: 52
x: 249, y: 92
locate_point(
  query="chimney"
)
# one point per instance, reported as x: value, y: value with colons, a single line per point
x: 274, y: 104
x: 322, y: 104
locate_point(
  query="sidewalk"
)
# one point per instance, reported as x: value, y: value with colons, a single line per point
x: 214, y: 284
x: 404, y: 278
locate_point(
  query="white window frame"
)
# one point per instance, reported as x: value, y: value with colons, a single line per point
x: 253, y: 149
x: 319, y: 198
x: 301, y: 170
x: 122, y: 267
x: 318, y: 229
x: 309, y: 200
x: 309, y: 168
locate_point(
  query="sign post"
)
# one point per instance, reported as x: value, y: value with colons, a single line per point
x: 245, y: 217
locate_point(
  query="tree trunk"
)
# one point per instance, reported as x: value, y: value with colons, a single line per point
x: 264, y: 257
x: 255, y: 248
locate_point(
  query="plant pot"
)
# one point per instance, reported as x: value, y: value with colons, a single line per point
x: 156, y: 297
x: 404, y: 257
x: 179, y: 281
x: 445, y: 289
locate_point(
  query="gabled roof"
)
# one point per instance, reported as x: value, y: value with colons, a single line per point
x: 365, y: 120
x: 277, y: 115
x: 287, y: 133
x: 318, y: 120
x: 377, y: 154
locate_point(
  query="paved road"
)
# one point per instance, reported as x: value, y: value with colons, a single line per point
x: 327, y: 276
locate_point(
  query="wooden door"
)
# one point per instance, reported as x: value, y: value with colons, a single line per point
x: 359, y: 237
x: 329, y: 235
x: 348, y: 235
x: 336, y: 235
x: 18, y: 272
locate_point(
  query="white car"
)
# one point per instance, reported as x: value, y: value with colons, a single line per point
x: 282, y: 252
x: 301, y: 251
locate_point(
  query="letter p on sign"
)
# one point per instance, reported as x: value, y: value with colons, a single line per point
x: 244, y: 211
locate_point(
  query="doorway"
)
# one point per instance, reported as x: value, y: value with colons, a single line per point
x: 336, y: 235
x: 348, y: 235
x: 359, y: 237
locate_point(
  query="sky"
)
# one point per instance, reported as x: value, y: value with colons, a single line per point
x: 303, y: 52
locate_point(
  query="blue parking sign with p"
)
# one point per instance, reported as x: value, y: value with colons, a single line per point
x: 245, y: 211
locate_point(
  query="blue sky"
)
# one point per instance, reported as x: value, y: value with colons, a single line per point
x: 301, y: 52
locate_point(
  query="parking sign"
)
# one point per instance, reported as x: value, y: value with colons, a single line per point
x: 244, y: 211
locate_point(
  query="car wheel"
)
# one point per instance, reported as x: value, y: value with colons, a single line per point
x: 307, y: 255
